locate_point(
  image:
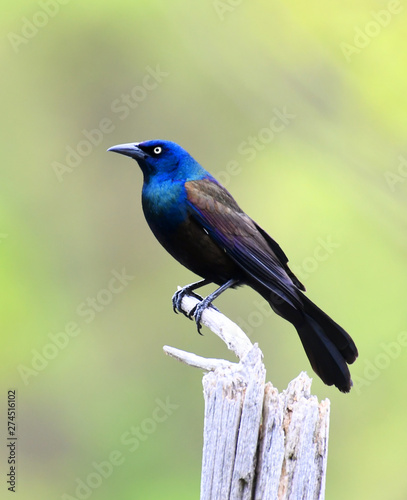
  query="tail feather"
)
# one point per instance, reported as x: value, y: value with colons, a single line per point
x: 326, y: 359
x: 337, y: 335
x: 328, y: 346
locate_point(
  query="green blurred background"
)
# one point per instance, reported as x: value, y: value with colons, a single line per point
x: 211, y: 76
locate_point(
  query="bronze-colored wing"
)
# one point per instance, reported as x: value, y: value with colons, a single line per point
x: 242, y: 239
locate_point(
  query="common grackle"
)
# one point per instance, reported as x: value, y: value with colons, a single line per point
x: 199, y: 223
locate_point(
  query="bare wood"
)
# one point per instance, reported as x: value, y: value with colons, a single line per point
x: 295, y: 427
x: 191, y: 359
x: 233, y: 336
x: 258, y: 443
x: 233, y: 409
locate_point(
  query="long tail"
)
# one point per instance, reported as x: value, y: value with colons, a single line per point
x: 328, y: 347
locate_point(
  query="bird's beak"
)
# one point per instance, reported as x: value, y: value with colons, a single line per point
x: 131, y: 149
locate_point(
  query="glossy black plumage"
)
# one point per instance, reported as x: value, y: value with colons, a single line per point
x: 201, y: 225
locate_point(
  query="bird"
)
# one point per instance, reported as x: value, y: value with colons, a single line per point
x: 201, y: 225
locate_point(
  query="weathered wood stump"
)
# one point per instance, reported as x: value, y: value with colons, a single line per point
x: 258, y: 443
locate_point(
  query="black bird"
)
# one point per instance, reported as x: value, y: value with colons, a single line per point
x: 200, y: 224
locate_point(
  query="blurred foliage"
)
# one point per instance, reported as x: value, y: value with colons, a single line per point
x: 335, y: 170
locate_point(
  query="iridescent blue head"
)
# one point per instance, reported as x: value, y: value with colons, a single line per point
x: 162, y: 159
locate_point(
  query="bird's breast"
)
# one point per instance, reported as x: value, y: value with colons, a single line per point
x: 164, y: 205
x: 165, y: 209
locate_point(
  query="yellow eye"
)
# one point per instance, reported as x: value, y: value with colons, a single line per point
x: 157, y: 150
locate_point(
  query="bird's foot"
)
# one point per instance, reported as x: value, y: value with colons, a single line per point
x: 179, y: 295
x: 197, y: 311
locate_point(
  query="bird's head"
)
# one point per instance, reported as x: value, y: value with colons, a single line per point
x: 161, y: 157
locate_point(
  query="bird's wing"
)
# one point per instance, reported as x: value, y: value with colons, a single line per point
x: 247, y: 244
x: 275, y: 247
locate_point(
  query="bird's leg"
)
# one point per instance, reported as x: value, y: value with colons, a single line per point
x: 187, y: 290
x: 198, y: 310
